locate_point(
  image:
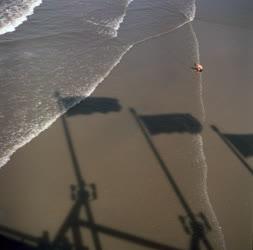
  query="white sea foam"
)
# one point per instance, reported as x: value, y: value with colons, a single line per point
x: 116, y: 25
x: 200, y: 154
x: 197, y: 60
x: 13, y: 14
x: 201, y: 161
x: 42, y: 126
x: 111, y: 25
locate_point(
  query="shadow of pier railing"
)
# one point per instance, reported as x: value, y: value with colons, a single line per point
x: 11, y: 239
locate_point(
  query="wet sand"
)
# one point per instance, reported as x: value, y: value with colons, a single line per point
x: 133, y: 194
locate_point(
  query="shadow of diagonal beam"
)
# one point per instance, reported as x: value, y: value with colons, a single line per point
x: 163, y: 166
x: 18, y: 235
x: 126, y: 236
x: 66, y: 224
x: 232, y: 148
x: 198, y: 233
x: 80, y: 202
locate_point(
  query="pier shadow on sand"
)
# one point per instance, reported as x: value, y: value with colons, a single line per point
x: 195, y: 225
x: 241, y: 145
x: 82, y: 193
x: 90, y: 105
x: 171, y: 123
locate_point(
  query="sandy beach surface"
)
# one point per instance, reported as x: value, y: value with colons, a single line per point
x: 136, y: 203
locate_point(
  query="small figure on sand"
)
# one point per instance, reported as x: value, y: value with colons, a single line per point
x: 198, y: 67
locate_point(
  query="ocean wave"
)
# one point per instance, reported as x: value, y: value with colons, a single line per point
x: 14, y: 13
x: 111, y: 25
x: 24, y: 135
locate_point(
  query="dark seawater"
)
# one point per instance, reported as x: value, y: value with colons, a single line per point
x: 67, y: 47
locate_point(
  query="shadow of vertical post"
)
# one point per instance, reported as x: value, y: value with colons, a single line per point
x: 83, y: 198
x: 198, y: 230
